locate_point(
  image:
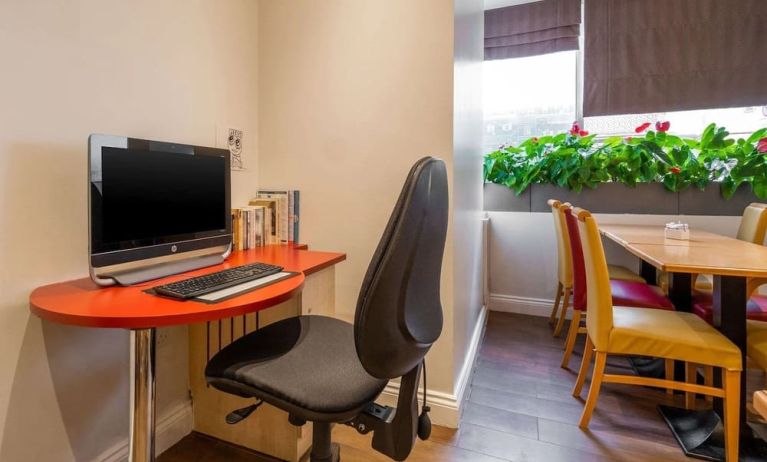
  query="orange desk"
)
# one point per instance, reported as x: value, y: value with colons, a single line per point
x: 81, y: 302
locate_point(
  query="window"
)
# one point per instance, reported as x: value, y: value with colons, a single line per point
x: 534, y: 96
x: 526, y: 97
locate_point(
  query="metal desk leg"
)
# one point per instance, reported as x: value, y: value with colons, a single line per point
x: 142, y: 394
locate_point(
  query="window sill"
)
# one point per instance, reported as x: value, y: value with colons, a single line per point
x: 646, y: 198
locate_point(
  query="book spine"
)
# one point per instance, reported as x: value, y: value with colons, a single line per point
x: 254, y: 230
x: 241, y: 236
x: 246, y: 234
x: 296, y: 216
x: 259, y: 226
x: 268, y: 226
x: 291, y: 217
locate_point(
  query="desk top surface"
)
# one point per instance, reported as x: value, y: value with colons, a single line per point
x: 82, y: 302
x: 704, y: 252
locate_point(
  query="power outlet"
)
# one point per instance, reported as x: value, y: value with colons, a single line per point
x: 162, y: 337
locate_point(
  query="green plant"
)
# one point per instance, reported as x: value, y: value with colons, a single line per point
x: 575, y: 160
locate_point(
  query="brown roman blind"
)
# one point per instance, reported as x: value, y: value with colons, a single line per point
x: 537, y: 28
x: 669, y: 55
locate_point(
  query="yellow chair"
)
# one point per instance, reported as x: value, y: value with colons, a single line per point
x: 753, y: 227
x: 565, y: 268
x: 756, y: 342
x: 656, y: 333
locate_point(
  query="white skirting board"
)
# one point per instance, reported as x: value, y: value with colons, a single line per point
x: 446, y: 408
x: 171, y: 428
x: 523, y: 305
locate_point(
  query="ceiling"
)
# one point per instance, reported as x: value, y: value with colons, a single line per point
x: 492, y: 4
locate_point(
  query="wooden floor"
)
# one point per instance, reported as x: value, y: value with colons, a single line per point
x: 520, y: 408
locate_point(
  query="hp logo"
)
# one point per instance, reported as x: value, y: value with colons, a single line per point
x: 173, y: 248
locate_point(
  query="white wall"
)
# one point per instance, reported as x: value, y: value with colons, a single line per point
x: 467, y: 184
x: 168, y: 70
x: 523, y: 257
x: 352, y: 93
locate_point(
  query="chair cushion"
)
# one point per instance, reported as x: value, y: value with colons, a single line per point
x: 671, y: 334
x: 756, y: 342
x: 703, y: 306
x: 306, y: 365
x: 760, y: 403
x: 705, y: 282
x: 639, y: 294
x: 623, y: 273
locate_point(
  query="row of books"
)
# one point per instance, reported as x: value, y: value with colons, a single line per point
x: 272, y: 217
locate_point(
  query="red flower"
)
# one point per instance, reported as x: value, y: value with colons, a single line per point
x: 662, y: 126
x: 675, y: 170
x: 642, y: 127
x: 761, y: 146
x: 583, y: 133
x: 575, y: 128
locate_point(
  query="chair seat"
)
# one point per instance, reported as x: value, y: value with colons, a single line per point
x: 623, y: 273
x: 673, y: 335
x: 705, y: 282
x: 639, y: 294
x: 756, y: 342
x: 760, y: 403
x: 703, y: 306
x: 307, y: 365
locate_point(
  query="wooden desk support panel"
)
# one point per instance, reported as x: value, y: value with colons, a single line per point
x: 267, y: 430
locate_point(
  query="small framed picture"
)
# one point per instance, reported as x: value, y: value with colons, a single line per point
x: 234, y: 143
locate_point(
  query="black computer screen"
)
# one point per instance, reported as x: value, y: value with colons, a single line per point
x: 146, y: 196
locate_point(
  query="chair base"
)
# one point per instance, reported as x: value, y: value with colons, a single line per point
x: 700, y: 434
x: 322, y: 448
x: 335, y: 455
x: 655, y: 368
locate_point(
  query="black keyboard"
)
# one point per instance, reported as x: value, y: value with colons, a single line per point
x: 193, y: 287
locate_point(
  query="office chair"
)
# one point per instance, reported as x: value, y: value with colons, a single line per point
x: 323, y: 370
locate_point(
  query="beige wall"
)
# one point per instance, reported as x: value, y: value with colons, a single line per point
x: 351, y: 94
x: 467, y: 177
x: 167, y: 70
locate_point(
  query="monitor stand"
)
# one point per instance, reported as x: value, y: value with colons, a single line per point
x: 147, y: 273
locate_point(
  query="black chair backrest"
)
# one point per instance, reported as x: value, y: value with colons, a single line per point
x: 399, y: 312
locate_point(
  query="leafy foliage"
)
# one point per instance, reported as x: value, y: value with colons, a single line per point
x: 575, y: 160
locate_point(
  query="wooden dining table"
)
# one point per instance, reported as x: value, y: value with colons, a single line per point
x: 733, y: 263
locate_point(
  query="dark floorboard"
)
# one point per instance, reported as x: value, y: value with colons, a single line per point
x: 520, y: 408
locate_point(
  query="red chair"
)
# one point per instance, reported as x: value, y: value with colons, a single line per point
x: 624, y: 293
x: 703, y: 306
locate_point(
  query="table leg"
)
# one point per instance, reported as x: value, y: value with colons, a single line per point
x: 648, y: 272
x: 730, y: 319
x: 680, y: 291
x: 142, y: 395
x: 700, y: 433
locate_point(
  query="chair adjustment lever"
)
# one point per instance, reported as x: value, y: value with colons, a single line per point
x: 371, y: 418
x: 238, y: 415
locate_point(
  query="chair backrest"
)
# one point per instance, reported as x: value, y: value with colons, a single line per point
x: 399, y: 312
x: 564, y: 262
x: 753, y: 224
x: 576, y: 252
x: 599, y: 322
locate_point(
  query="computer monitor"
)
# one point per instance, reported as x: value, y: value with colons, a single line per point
x: 156, y: 208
